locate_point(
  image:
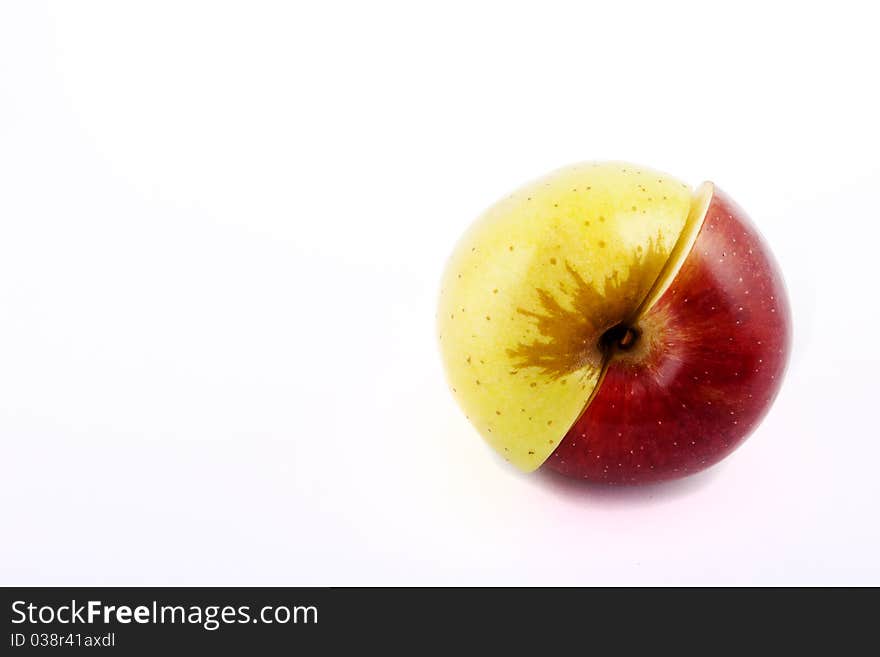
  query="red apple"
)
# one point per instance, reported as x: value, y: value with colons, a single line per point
x: 691, y: 379
x: 612, y: 324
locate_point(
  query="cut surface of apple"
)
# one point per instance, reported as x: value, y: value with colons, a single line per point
x: 570, y: 287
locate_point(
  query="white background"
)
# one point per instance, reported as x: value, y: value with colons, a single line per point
x: 222, y: 228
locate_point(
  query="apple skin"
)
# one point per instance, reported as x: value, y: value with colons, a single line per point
x: 534, y: 283
x: 708, y: 362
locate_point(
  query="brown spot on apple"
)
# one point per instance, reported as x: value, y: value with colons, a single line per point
x: 572, y: 321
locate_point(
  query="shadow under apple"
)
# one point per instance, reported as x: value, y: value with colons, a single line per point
x: 591, y: 492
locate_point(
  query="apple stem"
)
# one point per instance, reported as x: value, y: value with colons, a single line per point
x: 628, y: 339
x: 620, y: 336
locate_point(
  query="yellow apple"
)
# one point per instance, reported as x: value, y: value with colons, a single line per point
x: 535, y: 282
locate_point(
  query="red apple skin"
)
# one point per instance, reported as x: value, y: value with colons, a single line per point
x: 715, y: 348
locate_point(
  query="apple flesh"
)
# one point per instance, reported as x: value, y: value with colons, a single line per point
x: 688, y: 381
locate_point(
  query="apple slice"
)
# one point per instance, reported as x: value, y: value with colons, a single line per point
x: 533, y: 285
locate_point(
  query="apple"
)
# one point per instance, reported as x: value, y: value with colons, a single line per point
x: 612, y: 324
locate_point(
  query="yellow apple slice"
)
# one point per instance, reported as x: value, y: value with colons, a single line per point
x: 535, y: 282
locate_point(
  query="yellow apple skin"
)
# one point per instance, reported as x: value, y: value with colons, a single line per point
x: 534, y: 283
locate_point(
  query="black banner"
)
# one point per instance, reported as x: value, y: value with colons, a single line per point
x: 128, y: 621
x: 148, y: 620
